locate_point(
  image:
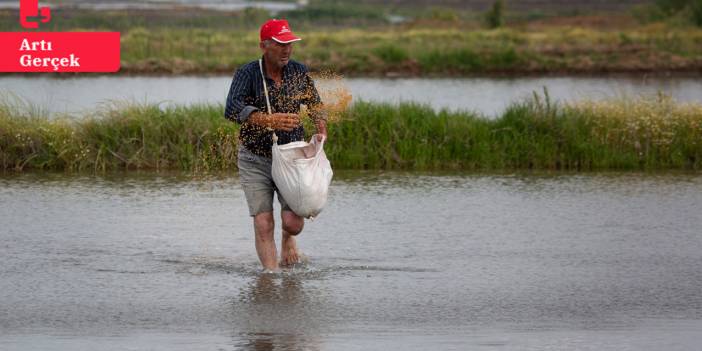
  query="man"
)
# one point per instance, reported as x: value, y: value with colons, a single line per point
x: 288, y: 86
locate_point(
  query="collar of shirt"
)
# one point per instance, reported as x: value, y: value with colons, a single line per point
x: 284, y: 75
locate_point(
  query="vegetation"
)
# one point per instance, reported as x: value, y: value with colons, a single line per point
x: 643, y: 133
x: 495, y: 17
x: 439, y: 51
x: 118, y: 137
x: 696, y: 11
x: 437, y: 41
x: 674, y: 11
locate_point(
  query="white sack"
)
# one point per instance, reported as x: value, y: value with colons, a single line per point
x: 302, y: 174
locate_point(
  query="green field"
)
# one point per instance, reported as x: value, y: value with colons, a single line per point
x: 644, y: 133
x: 359, y: 40
x: 426, y: 52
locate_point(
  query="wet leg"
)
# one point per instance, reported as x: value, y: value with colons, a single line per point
x: 292, y: 226
x: 265, y: 242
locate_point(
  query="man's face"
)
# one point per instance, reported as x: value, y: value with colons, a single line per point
x: 276, y: 52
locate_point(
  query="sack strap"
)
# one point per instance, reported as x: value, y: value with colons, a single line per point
x: 265, y: 91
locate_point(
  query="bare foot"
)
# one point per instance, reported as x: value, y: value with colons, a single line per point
x: 289, y: 253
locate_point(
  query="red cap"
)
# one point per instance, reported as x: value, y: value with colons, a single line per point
x: 278, y: 30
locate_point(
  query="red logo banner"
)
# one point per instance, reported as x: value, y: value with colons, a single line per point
x: 60, y: 52
x: 56, y: 51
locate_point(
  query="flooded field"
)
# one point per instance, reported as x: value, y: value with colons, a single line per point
x: 594, y: 261
x: 489, y: 96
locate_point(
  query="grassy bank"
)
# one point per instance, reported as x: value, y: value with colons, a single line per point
x: 422, y: 52
x: 650, y: 133
x: 200, y: 42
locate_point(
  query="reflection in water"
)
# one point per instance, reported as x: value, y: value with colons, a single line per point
x: 276, y: 341
x: 277, y: 314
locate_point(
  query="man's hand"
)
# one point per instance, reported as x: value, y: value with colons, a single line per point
x: 284, y: 121
x: 321, y: 126
x: 277, y: 121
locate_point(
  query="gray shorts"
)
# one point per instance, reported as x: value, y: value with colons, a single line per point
x: 257, y: 182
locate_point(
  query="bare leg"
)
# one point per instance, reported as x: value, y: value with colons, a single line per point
x: 265, y: 242
x: 292, y: 226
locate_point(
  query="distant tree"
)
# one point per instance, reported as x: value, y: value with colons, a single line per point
x: 495, y: 16
x: 697, y: 13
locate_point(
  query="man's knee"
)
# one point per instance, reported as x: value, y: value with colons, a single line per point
x: 264, y: 225
x: 292, y: 229
x: 292, y: 223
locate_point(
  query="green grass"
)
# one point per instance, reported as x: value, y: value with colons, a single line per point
x: 646, y: 133
x: 118, y: 137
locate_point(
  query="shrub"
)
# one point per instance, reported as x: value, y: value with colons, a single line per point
x: 391, y: 54
x: 495, y: 16
x: 671, y: 7
x: 697, y: 13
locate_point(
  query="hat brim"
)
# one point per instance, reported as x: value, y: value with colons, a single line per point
x: 286, y: 38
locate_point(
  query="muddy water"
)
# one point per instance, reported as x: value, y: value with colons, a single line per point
x: 488, y: 96
x: 397, y: 261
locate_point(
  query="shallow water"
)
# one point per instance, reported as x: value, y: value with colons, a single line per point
x: 488, y: 96
x: 414, y: 261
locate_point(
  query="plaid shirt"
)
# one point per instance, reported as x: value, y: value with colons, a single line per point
x: 246, y: 96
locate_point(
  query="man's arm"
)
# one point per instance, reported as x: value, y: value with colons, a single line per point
x: 237, y: 109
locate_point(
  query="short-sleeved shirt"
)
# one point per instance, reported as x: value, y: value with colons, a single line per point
x: 246, y: 95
